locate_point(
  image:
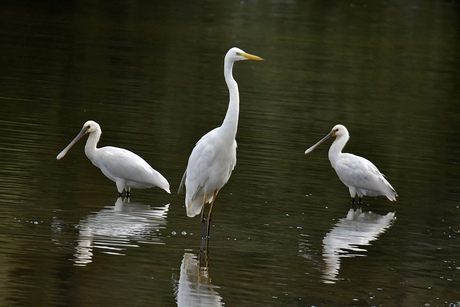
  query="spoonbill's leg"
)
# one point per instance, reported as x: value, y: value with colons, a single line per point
x: 210, y: 212
x: 120, y: 188
x: 353, y: 203
x: 352, y: 194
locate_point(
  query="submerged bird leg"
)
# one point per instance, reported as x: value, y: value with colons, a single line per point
x: 204, y: 247
x: 210, y: 213
x: 203, y: 219
x: 203, y: 262
x: 203, y: 265
x: 204, y: 244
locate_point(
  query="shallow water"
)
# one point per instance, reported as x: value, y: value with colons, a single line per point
x: 151, y: 75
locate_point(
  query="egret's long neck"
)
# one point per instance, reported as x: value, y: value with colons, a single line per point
x: 91, y: 143
x: 336, y: 148
x: 230, y: 124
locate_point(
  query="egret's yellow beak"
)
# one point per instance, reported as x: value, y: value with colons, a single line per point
x: 251, y: 56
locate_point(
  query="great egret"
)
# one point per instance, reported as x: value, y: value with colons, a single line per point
x: 214, y: 156
x: 360, y: 175
x: 127, y: 169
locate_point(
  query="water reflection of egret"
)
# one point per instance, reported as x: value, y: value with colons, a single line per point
x: 115, y: 228
x: 194, y: 287
x: 122, y: 166
x: 212, y: 160
x: 360, y: 175
x: 349, y: 236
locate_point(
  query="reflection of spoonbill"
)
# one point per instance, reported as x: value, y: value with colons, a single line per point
x: 214, y: 156
x: 127, y: 169
x: 357, y: 173
x: 115, y: 228
x: 349, y: 238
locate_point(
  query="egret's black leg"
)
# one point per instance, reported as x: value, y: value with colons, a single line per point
x: 203, y: 220
x: 360, y: 202
x: 204, y: 244
x: 128, y: 193
x: 210, y: 214
x: 203, y: 229
x: 353, y: 203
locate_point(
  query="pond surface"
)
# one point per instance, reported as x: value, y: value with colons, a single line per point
x: 151, y: 74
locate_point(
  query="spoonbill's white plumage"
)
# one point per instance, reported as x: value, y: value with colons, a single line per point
x: 127, y: 169
x: 214, y: 156
x: 360, y: 175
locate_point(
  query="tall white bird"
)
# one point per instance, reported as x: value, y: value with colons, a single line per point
x: 214, y: 156
x: 360, y: 175
x: 127, y: 169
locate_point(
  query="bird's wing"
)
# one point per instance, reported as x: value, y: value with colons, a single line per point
x: 182, y: 183
x: 211, y: 162
x: 200, y: 160
x: 359, y: 172
x: 233, y: 164
x: 122, y: 163
x: 190, y: 165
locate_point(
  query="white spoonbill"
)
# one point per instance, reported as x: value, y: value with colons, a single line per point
x: 127, y: 169
x: 214, y: 156
x: 360, y: 175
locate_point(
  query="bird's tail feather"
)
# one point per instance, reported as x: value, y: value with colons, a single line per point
x: 390, y: 193
x: 194, y: 207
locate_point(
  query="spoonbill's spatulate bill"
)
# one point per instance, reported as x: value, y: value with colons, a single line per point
x: 360, y: 175
x: 127, y: 169
x: 214, y: 156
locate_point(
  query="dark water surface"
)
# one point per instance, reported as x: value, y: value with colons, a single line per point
x: 151, y: 74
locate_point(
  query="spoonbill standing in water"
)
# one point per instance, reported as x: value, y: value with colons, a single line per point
x: 214, y: 156
x: 127, y: 169
x: 360, y: 175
